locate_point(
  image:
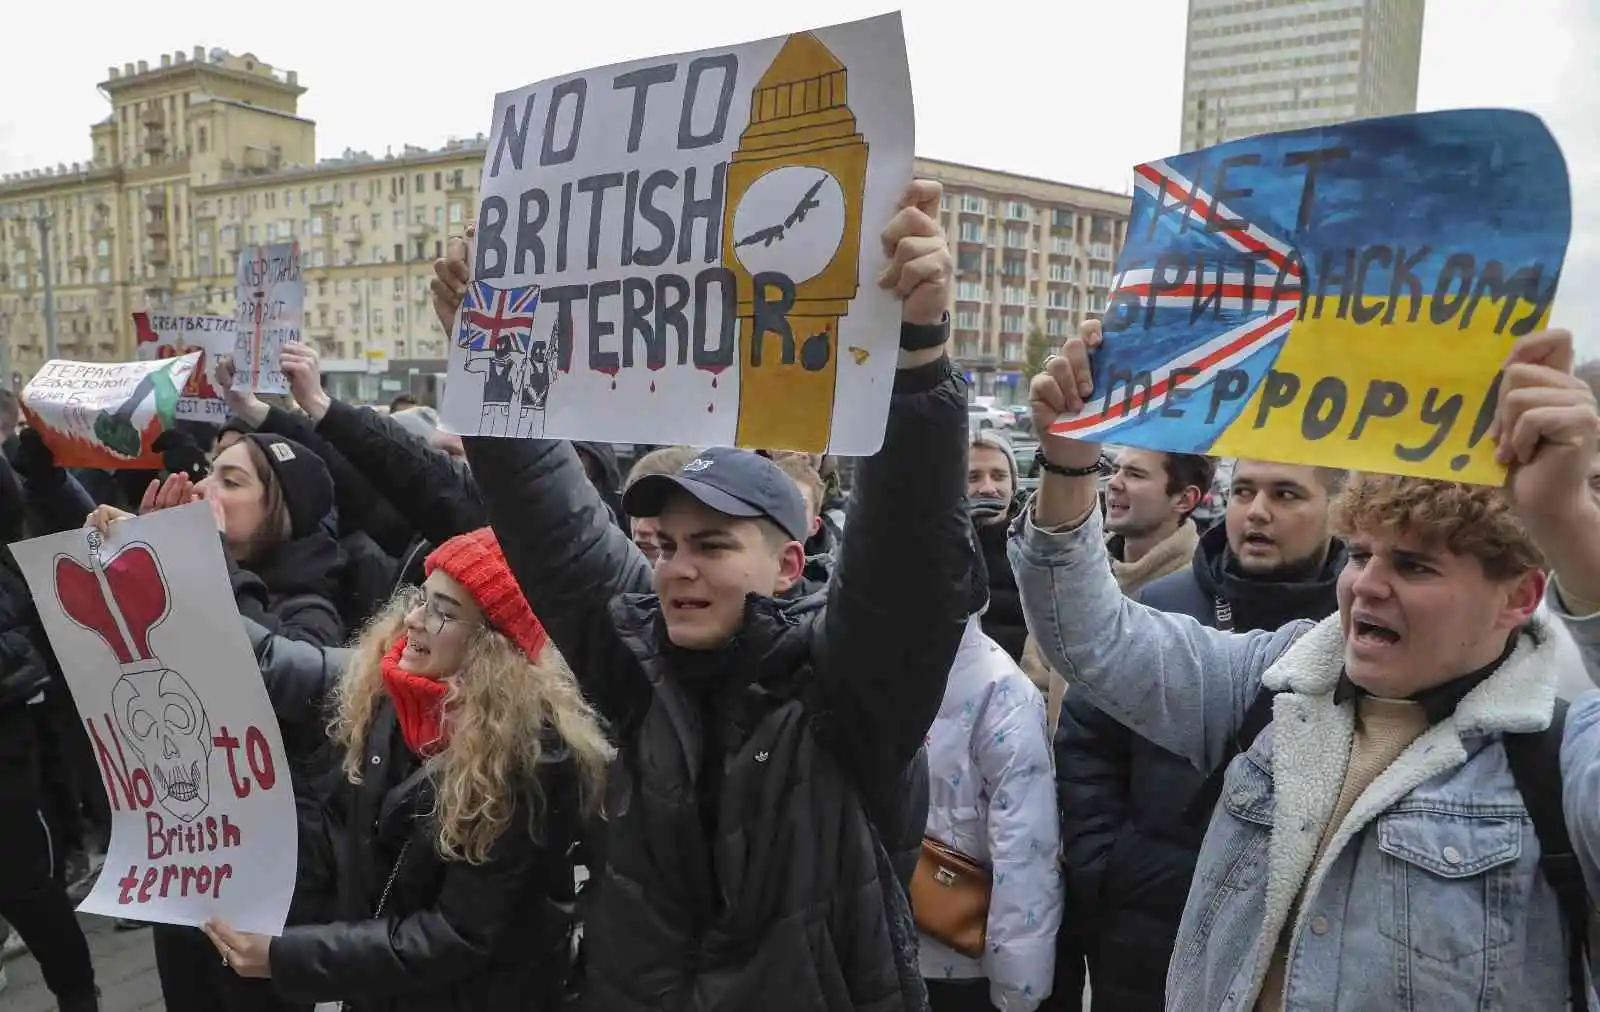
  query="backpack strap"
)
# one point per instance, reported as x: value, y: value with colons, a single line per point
x: 1256, y: 719
x: 1536, y: 767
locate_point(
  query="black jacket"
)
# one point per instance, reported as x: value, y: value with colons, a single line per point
x: 1128, y: 850
x: 1003, y: 622
x: 769, y: 798
x: 294, y: 590
x: 452, y: 936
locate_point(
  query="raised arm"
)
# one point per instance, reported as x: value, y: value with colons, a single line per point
x: 897, y: 602
x: 1170, y: 679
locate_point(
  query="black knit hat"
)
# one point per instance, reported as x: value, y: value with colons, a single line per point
x: 303, y: 478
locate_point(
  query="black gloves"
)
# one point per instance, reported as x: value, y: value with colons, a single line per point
x: 35, y: 462
x: 180, y: 454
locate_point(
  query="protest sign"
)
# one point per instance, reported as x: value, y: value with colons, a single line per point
x: 1342, y: 296
x: 269, y: 302
x: 684, y: 249
x: 92, y: 414
x: 163, y: 335
x: 202, y: 811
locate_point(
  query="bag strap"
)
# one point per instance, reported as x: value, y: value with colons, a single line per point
x: 1256, y: 719
x: 1535, y: 761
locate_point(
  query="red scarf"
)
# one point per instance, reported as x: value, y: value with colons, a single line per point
x: 418, y: 702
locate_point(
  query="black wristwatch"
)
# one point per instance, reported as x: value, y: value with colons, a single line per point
x: 921, y: 336
x: 1041, y: 463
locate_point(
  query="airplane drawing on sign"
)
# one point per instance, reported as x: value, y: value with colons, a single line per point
x: 773, y: 233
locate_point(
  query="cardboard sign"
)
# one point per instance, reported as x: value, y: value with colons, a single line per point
x: 1342, y: 296
x: 270, y: 298
x: 106, y: 415
x: 164, y: 335
x: 684, y: 249
x: 202, y: 811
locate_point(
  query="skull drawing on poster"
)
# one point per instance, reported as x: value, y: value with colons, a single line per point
x: 158, y: 713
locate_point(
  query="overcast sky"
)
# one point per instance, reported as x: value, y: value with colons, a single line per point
x: 1078, y: 90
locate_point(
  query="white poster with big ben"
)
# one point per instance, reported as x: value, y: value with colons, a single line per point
x: 684, y: 249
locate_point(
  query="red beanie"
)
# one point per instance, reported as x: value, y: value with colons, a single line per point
x: 475, y: 561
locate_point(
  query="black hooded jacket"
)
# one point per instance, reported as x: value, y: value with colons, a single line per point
x: 1128, y: 850
x: 769, y: 798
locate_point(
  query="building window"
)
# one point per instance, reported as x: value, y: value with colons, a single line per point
x: 288, y: 198
x: 252, y: 233
x: 455, y: 214
x: 377, y: 319
x: 438, y: 181
x: 422, y: 183
x: 201, y: 140
x: 377, y: 221
x: 377, y: 254
x: 399, y: 252
x: 399, y: 219
x: 103, y: 248
x: 316, y: 225
x: 399, y: 285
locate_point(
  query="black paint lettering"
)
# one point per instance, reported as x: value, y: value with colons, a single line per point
x: 728, y: 63
x: 1181, y: 199
x: 1384, y: 399
x: 1312, y: 160
x: 1405, y: 275
x: 1219, y: 193
x: 641, y: 81
x: 1135, y: 387
x: 720, y: 357
x: 1492, y: 282
x: 1288, y: 279
x: 491, y: 259
x: 1176, y: 391
x: 1460, y: 267
x: 772, y: 316
x: 513, y: 136
x: 528, y: 241
x: 672, y: 294
x: 656, y: 255
x: 1360, y: 312
x: 1230, y: 385
x: 1329, y: 275
x: 638, y: 305
x: 1539, y: 298
x: 599, y: 360
x: 710, y: 209
x: 1204, y: 296
x: 1331, y: 393
x: 1441, y: 416
x: 1278, y: 390
x: 577, y: 89
x: 596, y: 187
x: 1171, y: 273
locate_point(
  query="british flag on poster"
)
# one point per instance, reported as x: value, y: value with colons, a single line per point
x: 491, y: 316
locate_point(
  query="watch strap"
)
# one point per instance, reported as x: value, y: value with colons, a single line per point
x: 922, y: 336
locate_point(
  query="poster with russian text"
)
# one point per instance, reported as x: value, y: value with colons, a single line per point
x: 1343, y: 296
x: 270, y: 298
x: 166, y: 335
x: 684, y: 249
x: 202, y: 812
x: 106, y: 415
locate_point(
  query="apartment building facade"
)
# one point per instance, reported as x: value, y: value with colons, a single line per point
x: 204, y: 154
x: 1258, y: 66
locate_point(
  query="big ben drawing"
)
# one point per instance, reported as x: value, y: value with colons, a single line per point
x: 795, y: 191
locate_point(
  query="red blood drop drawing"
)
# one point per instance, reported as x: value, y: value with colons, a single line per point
x: 613, y: 382
x: 713, y: 382
x: 710, y: 408
x: 652, y: 386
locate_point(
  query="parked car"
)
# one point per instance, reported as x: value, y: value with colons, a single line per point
x: 981, y: 416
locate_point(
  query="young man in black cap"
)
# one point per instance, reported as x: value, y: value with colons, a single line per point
x: 769, y: 796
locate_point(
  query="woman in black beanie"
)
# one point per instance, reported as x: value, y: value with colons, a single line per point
x: 274, y: 496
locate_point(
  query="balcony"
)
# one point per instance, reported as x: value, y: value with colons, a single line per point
x: 155, y: 142
x: 151, y: 116
x: 79, y: 262
x: 420, y: 230
x: 156, y: 228
x: 1101, y: 251
x: 100, y: 226
x: 157, y: 254
x: 155, y: 200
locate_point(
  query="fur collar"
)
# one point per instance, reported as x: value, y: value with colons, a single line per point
x: 1311, y: 739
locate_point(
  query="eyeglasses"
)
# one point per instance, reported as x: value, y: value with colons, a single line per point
x: 433, y: 618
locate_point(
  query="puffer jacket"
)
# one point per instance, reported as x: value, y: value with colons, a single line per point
x: 991, y: 797
x: 768, y: 800
x: 1428, y: 894
x: 452, y: 936
x: 295, y: 589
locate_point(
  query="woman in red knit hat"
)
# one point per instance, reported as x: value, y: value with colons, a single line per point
x: 469, y: 761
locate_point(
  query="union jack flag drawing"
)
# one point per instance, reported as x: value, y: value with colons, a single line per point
x: 490, y: 315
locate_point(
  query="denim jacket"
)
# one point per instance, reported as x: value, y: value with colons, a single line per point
x: 1428, y: 895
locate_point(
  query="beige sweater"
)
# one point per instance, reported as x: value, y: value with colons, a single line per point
x: 1384, y: 729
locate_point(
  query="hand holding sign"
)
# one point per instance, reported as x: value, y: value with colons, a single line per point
x: 920, y: 265
x: 449, y: 286
x: 1064, y: 388
x: 1546, y: 429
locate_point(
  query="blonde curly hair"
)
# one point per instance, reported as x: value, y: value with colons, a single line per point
x: 496, y: 709
x: 1471, y: 520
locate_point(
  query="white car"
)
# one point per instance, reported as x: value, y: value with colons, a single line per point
x: 989, y: 417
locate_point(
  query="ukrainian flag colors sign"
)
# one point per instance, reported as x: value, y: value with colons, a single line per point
x: 1341, y: 296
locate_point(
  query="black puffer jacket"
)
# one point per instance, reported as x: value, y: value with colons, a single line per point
x: 295, y: 589
x: 452, y: 936
x: 768, y: 798
x: 1003, y: 621
x: 1128, y: 849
